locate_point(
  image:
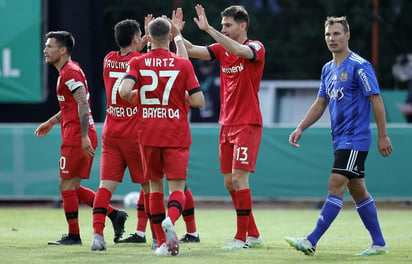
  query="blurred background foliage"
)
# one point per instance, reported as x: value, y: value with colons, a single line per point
x: 291, y: 30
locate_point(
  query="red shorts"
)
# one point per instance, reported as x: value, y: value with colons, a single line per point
x: 159, y: 161
x: 239, y: 147
x: 73, y: 163
x: 119, y: 154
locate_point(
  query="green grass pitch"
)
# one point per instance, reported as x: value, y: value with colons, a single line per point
x: 24, y: 233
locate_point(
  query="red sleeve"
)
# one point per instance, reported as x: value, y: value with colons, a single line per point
x: 131, y: 71
x: 191, y: 79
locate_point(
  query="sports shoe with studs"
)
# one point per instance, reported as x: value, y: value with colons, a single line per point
x: 163, y: 250
x: 235, y: 244
x: 67, y: 240
x: 301, y: 244
x: 374, y: 250
x: 172, y: 241
x: 154, y: 246
x: 254, y: 242
x: 98, y: 243
x: 188, y: 238
x: 133, y: 238
x: 118, y: 224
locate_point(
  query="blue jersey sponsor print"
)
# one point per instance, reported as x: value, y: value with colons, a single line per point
x: 347, y: 88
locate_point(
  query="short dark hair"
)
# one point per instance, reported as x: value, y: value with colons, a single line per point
x: 341, y: 20
x: 124, y: 32
x: 238, y: 13
x: 159, y: 29
x: 63, y: 39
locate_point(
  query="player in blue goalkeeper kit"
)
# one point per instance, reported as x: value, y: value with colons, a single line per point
x: 349, y: 88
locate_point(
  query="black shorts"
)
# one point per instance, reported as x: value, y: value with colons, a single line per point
x: 350, y: 163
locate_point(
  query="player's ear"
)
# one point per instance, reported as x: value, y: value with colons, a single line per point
x: 243, y: 25
x: 63, y: 50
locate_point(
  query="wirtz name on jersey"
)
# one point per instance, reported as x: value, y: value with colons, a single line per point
x: 157, y: 62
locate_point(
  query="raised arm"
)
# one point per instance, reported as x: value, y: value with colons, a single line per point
x: 177, y: 25
x: 229, y: 44
x: 193, y: 51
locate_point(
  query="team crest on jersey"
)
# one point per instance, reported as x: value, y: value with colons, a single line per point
x: 343, y: 77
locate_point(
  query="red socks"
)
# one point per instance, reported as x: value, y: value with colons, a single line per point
x: 71, y: 210
x: 175, y: 205
x: 141, y: 214
x: 157, y: 215
x: 189, y: 212
x: 147, y: 209
x: 87, y: 196
x: 243, y: 209
x: 246, y: 195
x: 101, y: 202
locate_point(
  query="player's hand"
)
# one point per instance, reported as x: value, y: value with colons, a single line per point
x: 177, y: 19
x: 135, y: 96
x: 174, y: 30
x: 147, y: 20
x: 87, y: 147
x: 43, y: 129
x: 201, y: 19
x: 187, y: 97
x: 384, y: 146
x: 294, y: 137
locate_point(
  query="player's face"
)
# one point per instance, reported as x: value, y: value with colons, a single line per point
x: 51, y: 51
x: 336, y: 38
x: 230, y: 28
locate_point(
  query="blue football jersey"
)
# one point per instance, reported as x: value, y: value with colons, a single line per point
x: 347, y: 88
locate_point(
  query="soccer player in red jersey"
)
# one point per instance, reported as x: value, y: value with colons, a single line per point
x: 241, y: 69
x: 166, y: 83
x: 120, y: 148
x: 79, y: 137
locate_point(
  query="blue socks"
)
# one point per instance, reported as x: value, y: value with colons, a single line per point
x: 329, y: 211
x: 367, y: 212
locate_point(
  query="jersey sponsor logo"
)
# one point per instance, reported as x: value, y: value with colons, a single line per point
x: 118, y: 65
x: 255, y: 46
x: 336, y: 94
x: 157, y: 62
x: 343, y: 77
x: 364, y: 80
x: 234, y: 69
x: 118, y: 111
x: 160, y: 112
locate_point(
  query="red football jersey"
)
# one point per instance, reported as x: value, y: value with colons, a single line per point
x: 70, y: 78
x: 121, y: 116
x: 239, y: 84
x: 162, y: 78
